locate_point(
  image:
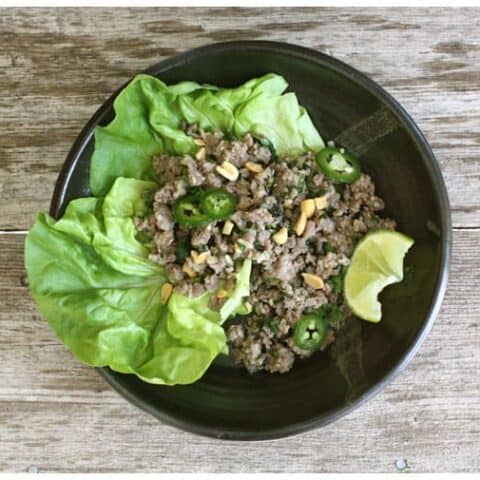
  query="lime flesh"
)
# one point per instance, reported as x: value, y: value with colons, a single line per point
x: 376, y: 262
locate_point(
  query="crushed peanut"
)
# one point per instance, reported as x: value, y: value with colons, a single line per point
x: 301, y: 224
x: 308, y: 207
x: 313, y: 281
x: 227, y: 227
x: 165, y: 292
x: 199, y: 258
x: 222, y: 294
x: 188, y: 270
x: 321, y: 202
x: 228, y: 170
x: 254, y: 167
x: 281, y: 236
x: 200, y: 142
x: 200, y: 155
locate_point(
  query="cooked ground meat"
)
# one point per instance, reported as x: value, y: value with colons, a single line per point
x: 268, y: 199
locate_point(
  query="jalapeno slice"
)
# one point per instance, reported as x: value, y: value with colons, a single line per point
x: 218, y: 204
x: 338, y: 165
x: 200, y: 207
x: 188, y: 211
x: 310, y: 331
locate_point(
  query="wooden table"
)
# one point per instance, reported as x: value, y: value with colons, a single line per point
x: 57, y: 66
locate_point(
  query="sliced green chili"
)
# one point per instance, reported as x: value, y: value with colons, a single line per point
x: 310, y: 331
x: 199, y: 207
x: 218, y: 204
x: 188, y: 211
x: 338, y: 165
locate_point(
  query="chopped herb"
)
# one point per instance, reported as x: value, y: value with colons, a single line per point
x: 148, y: 197
x: 184, y: 174
x: 329, y: 211
x: 312, y: 189
x: 272, y: 324
x: 311, y: 244
x: 267, y: 143
x: 274, y: 353
x: 301, y: 184
x: 229, y: 136
x: 374, y: 221
x: 241, y: 245
x: 329, y: 248
x: 182, y: 249
x: 143, y: 237
x: 272, y: 281
x: 337, y: 281
x: 331, y: 313
x: 258, y: 246
x: 269, y: 185
x: 277, y: 211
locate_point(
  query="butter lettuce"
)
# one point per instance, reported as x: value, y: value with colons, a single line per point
x: 93, y: 282
x: 149, y: 114
x: 89, y: 273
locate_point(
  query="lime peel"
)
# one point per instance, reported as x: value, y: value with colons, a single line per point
x: 376, y: 263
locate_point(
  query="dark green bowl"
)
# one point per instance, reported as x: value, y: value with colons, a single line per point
x: 347, y: 106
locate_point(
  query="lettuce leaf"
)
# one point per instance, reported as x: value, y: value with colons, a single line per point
x: 89, y: 273
x: 234, y: 304
x: 93, y: 282
x: 149, y: 114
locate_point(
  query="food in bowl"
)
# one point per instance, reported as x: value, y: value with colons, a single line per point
x: 220, y: 224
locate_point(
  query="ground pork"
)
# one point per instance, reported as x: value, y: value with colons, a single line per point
x: 266, y: 201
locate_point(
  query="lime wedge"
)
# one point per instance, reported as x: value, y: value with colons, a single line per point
x: 376, y: 262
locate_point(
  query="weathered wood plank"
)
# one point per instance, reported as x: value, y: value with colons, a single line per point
x: 61, y: 416
x: 58, y: 65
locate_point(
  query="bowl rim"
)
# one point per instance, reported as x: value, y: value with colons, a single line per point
x: 433, y: 168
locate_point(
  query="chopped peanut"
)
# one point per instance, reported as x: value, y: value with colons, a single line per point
x: 313, y: 281
x: 308, y: 207
x: 222, y: 294
x: 188, y: 270
x: 165, y: 292
x: 199, y: 258
x: 200, y: 142
x: 254, y: 167
x: 321, y: 202
x: 281, y: 236
x: 227, y: 227
x: 228, y: 170
x: 301, y: 224
x: 200, y: 155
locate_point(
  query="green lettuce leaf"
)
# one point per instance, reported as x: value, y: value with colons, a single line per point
x: 234, y: 304
x: 89, y: 273
x: 149, y: 114
x: 93, y: 282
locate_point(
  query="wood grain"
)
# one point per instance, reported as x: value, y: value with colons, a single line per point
x: 61, y: 416
x: 58, y: 65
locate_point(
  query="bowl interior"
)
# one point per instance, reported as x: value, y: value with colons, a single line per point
x: 228, y: 402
